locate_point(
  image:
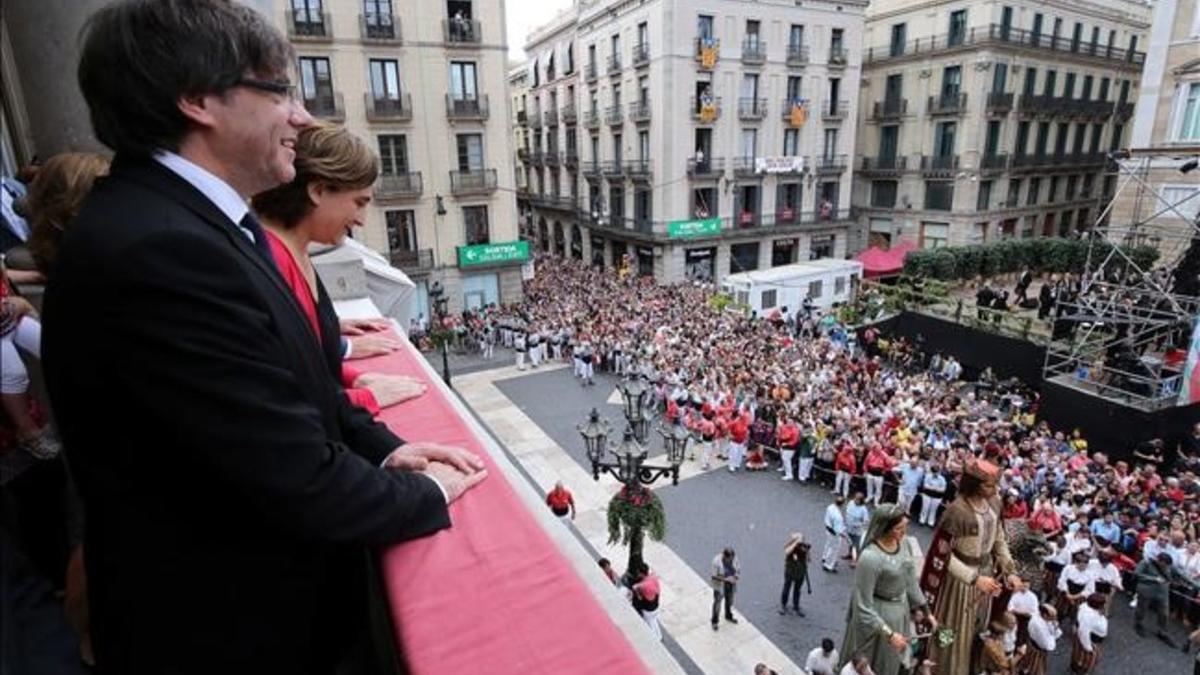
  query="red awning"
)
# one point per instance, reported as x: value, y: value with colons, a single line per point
x: 880, y: 263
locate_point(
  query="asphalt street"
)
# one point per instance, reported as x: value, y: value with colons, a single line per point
x: 754, y: 513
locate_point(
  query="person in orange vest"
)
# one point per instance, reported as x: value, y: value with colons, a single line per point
x: 561, y: 502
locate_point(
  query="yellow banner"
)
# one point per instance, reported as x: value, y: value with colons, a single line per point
x: 708, y: 57
x: 708, y: 112
x: 799, y: 115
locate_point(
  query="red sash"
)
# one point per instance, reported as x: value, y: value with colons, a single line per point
x: 937, y: 564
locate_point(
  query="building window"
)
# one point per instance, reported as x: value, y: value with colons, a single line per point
x: 401, y: 231
x: 831, y: 142
x: 768, y: 299
x: 704, y: 27
x: 984, y: 201
x: 470, y: 152
x: 462, y: 81
x: 935, y: 235
x: 958, y: 28
x: 899, y: 38
x: 883, y: 193
x: 795, y: 37
x: 821, y: 246
x: 839, y: 285
x: 385, y: 79
x: 616, y: 206
x: 815, y: 288
x: 791, y: 142
x: 939, y: 195
x: 1178, y: 196
x: 641, y: 209
x: 1188, y: 106
x: 743, y: 257
x: 1035, y: 186
x: 475, y: 220
x: 393, y: 154
x: 316, y: 82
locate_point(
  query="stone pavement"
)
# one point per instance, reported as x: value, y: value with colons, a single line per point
x: 535, y: 414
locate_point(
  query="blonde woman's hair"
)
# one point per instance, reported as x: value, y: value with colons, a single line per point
x: 54, y: 199
x: 326, y: 154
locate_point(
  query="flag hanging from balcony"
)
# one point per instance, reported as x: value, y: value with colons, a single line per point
x: 708, y: 56
x: 708, y: 110
x: 799, y: 114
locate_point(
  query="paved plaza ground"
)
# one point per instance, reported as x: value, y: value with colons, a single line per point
x: 754, y: 513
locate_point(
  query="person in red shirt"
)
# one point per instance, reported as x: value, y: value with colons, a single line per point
x: 877, y: 464
x: 739, y: 435
x: 1046, y: 520
x: 561, y: 502
x: 708, y: 434
x: 646, y: 592
x: 846, y: 465
x: 788, y: 435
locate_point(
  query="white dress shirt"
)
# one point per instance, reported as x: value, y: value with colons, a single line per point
x: 220, y: 193
x: 820, y: 663
x: 1043, y: 634
x: 1090, y: 622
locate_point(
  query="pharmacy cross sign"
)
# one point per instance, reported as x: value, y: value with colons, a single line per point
x: 492, y: 254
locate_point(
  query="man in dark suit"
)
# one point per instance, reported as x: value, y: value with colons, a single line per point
x: 230, y: 489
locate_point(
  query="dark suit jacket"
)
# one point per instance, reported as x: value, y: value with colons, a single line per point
x: 230, y: 488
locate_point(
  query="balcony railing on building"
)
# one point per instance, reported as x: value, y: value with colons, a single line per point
x: 550, y: 117
x: 309, y: 26
x: 592, y: 72
x: 889, y: 109
x: 706, y: 167
x: 591, y: 119
x: 405, y: 185
x: 939, y: 165
x: 329, y: 106
x: 950, y: 103
x: 706, y: 112
x: 462, y: 32
x: 837, y: 56
x: 752, y: 108
x: 571, y: 159
x: 641, y: 54
x: 552, y: 158
x: 1007, y: 36
x: 613, y: 169
x: 381, y: 28
x: 754, y: 52
x: 614, y: 116
x: 797, y: 55
x: 702, y: 44
x: 827, y: 164
x: 478, y: 181
x: 592, y: 169
x: 639, y: 112
x: 468, y: 108
x: 638, y: 169
x: 1036, y: 105
x: 568, y: 114
x: 388, y: 108
x: 1123, y: 112
x: 835, y: 111
x: 537, y: 158
x: 883, y: 165
x: 614, y: 64
x: 744, y: 167
x: 535, y: 120
x: 418, y: 261
x: 999, y: 102
x: 523, y: 155
x: 993, y: 164
x: 522, y: 118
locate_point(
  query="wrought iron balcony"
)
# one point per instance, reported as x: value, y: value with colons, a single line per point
x: 638, y: 169
x: 613, y: 168
x: 550, y: 117
x: 379, y: 28
x: 537, y: 158
x: 641, y: 54
x: 388, y: 109
x: 999, y: 102
x: 591, y: 119
x: 571, y: 159
x: 420, y: 260
x: 614, y: 116
x: 709, y: 167
x: 468, y: 108
x: 535, y: 120
x: 939, y: 165
x: 837, y: 57
x: 744, y: 166
x: 309, y: 26
x: 952, y: 103
x: 999, y: 35
x: 797, y: 55
x: 827, y: 164
x: 835, y: 111
x: 591, y: 72
x: 614, y: 64
x: 701, y: 43
x: 889, y: 109
x: 993, y: 164
x: 552, y: 158
x: 591, y: 169
x: 698, y: 109
x: 567, y: 114
x: 639, y: 111
x: 479, y: 181
x: 1033, y: 105
x: 522, y: 118
x: 883, y: 165
x: 1123, y: 112
x: 405, y: 185
x: 754, y: 52
x: 462, y: 32
x: 752, y: 108
x: 329, y: 106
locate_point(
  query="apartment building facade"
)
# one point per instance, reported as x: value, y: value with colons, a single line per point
x: 1161, y: 205
x: 691, y: 139
x: 981, y: 121
x: 425, y: 84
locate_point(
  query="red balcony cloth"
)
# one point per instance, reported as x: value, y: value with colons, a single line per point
x: 492, y: 594
x: 878, y: 262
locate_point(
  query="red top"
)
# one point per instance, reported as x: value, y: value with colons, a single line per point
x: 846, y: 461
x: 788, y: 434
x: 294, y: 277
x: 560, y: 500
x: 739, y: 430
x: 877, y: 460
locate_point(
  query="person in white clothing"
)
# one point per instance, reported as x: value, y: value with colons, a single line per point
x: 835, y: 531
x: 933, y: 491
x: 822, y: 660
x: 1023, y: 603
x: 519, y: 349
x: 535, y: 348
x: 1044, y: 633
x: 860, y: 664
x: 1106, y: 578
x: 911, y: 474
x: 1091, y: 629
x: 1074, y: 585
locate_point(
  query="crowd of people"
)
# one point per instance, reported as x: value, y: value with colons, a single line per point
x: 859, y: 411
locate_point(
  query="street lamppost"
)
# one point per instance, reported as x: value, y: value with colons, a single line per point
x: 629, y: 467
x: 440, y: 334
x: 635, y: 398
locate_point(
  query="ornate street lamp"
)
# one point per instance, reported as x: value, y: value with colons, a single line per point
x: 634, y: 504
x: 675, y: 440
x: 635, y: 395
x: 440, y: 334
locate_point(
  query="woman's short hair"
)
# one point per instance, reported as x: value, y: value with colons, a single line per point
x: 326, y: 154
x: 139, y: 57
x: 54, y: 199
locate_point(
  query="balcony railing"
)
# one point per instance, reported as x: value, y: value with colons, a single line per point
x: 639, y: 111
x: 889, y: 109
x: 550, y: 117
x: 522, y: 118
x: 398, y: 185
x: 567, y: 114
x: 744, y: 166
x: 326, y: 106
x: 754, y: 52
x: 309, y: 26
x: 537, y: 158
x: 591, y: 169
x: 638, y: 169
x: 591, y: 73
x: 614, y: 115
x: 883, y: 165
x: 613, y: 168
x: 835, y: 111
x: 535, y: 120
x: 1123, y: 112
x: 388, y: 109
x: 472, y: 182
x: 614, y: 64
x: 797, y: 55
x: 591, y: 119
x: 571, y: 159
x: 1004, y: 36
x: 552, y: 158
x: 382, y: 28
x: 461, y: 32
x: 939, y: 165
x: 700, y: 43
x: 420, y: 260
x: 641, y: 54
x: 709, y: 167
x: 752, y: 108
x: 991, y: 164
x: 524, y: 156
x: 830, y: 163
x: 1034, y: 105
x: 697, y: 109
x: 468, y: 108
x: 837, y: 56
x: 953, y: 103
x: 999, y: 102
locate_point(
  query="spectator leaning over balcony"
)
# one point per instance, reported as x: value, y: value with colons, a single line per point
x: 335, y: 177
x: 230, y: 507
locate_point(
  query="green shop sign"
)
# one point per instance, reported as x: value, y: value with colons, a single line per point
x: 493, y: 254
x: 694, y: 229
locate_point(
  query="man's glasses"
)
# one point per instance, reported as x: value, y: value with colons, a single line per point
x: 280, y: 88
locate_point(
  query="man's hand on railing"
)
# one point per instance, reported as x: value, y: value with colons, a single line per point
x: 363, y: 326
x: 390, y: 390
x: 453, y: 481
x: 366, y: 346
x: 455, y: 469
